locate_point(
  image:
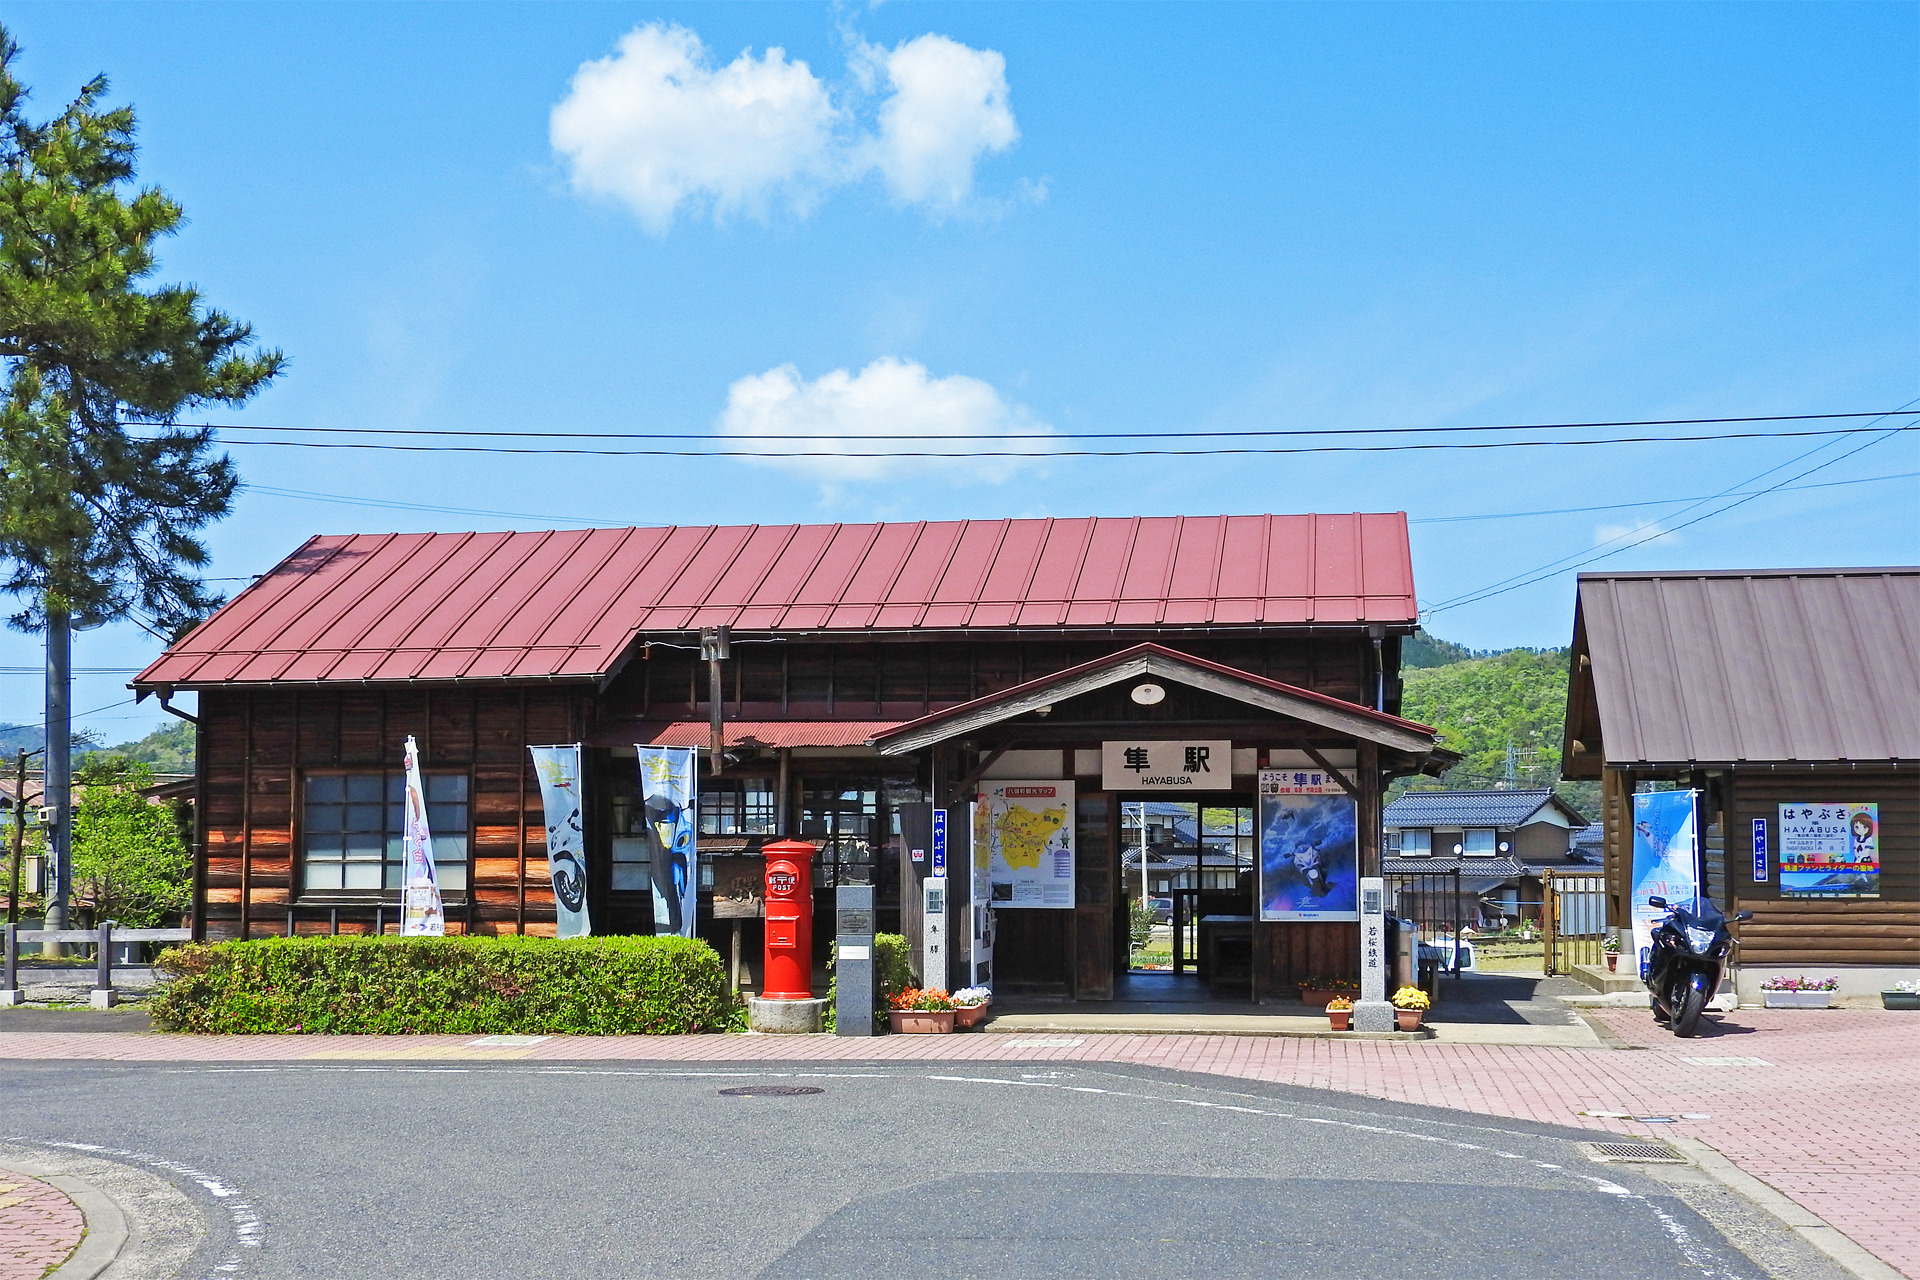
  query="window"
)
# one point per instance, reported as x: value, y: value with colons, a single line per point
x: 1479, y: 844
x: 737, y: 807
x: 1415, y: 842
x: 844, y: 821
x: 351, y: 828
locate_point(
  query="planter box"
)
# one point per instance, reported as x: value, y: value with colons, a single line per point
x: 1796, y: 999
x: 915, y: 1022
x: 970, y: 1016
x: 1318, y: 999
x: 1339, y: 1019
x: 1409, y: 1019
x: 1900, y: 999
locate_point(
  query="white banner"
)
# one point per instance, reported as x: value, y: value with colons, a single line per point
x: 422, y: 913
x: 558, y: 769
x: 669, y: 790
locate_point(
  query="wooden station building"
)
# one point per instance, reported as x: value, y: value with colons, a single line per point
x: 872, y: 671
x: 1779, y: 695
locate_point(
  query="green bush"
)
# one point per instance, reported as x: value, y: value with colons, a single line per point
x: 446, y: 986
x: 892, y: 966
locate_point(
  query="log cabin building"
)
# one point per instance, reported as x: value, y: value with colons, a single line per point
x: 1777, y: 694
x: 871, y: 672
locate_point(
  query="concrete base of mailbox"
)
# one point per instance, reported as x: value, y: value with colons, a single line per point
x: 784, y: 1017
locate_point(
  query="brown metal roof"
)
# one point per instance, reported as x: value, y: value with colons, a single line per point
x: 1803, y: 665
x: 479, y: 606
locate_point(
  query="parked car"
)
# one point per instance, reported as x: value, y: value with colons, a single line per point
x: 1162, y: 910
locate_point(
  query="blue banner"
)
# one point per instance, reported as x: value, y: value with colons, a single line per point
x: 1666, y: 861
x: 668, y: 789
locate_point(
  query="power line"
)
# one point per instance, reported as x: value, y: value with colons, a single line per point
x: 1038, y: 435
x: 1041, y: 454
x: 1551, y: 569
x: 1654, y: 502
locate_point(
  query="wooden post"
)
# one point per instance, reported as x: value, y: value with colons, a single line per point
x: 1369, y: 807
x: 735, y: 967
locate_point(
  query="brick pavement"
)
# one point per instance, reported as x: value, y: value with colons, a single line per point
x: 1829, y: 1114
x: 39, y: 1227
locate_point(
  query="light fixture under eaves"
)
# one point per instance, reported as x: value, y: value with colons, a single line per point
x: 1148, y: 695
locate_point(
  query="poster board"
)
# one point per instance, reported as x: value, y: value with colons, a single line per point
x: 1309, y: 848
x: 1666, y: 861
x: 739, y: 888
x: 1829, y: 850
x: 1023, y: 834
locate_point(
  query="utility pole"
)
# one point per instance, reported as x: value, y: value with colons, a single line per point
x: 713, y: 647
x: 59, y: 783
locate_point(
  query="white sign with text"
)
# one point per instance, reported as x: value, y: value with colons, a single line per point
x: 1167, y: 766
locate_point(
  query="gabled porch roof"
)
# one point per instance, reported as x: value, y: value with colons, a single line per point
x: 1160, y: 663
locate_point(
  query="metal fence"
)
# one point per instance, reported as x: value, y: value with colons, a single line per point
x: 1439, y: 907
x: 1573, y: 919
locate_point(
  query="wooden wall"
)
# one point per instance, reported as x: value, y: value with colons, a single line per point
x: 1811, y: 931
x: 253, y: 745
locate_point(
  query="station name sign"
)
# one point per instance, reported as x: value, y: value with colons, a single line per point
x: 1167, y: 766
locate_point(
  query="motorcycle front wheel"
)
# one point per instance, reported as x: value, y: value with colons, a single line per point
x: 1693, y: 1001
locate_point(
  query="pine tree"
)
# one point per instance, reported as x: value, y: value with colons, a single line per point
x: 102, y: 493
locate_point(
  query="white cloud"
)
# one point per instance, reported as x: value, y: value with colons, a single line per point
x: 840, y: 413
x: 947, y: 109
x: 656, y: 126
x: 1647, y: 533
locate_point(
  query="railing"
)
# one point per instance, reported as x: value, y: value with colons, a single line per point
x: 103, y: 938
x: 1432, y: 901
x: 1573, y: 919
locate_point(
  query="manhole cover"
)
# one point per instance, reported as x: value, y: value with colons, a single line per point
x: 770, y: 1091
x: 1636, y: 1152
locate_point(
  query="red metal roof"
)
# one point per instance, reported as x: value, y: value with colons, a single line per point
x: 476, y: 606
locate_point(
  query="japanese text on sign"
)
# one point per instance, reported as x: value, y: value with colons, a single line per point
x: 1167, y: 766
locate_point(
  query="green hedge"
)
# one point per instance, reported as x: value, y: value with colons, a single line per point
x: 447, y: 986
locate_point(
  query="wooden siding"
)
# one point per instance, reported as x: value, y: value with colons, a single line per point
x: 255, y: 747
x: 1810, y: 931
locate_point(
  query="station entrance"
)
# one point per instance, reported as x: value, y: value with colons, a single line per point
x: 1189, y: 871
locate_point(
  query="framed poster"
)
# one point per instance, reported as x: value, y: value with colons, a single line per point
x: 1309, y: 850
x: 1023, y: 833
x: 1829, y: 851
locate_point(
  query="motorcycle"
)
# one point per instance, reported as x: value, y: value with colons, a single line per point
x: 1682, y: 972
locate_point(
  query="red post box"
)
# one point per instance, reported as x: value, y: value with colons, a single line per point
x: 789, y: 960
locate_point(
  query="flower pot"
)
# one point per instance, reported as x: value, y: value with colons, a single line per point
x: 921, y: 1022
x: 1796, y: 999
x: 1339, y: 1019
x: 1613, y: 961
x: 969, y: 1015
x: 1409, y: 1019
x: 1900, y: 999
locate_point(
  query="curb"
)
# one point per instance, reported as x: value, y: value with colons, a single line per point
x: 106, y: 1225
x: 1855, y: 1259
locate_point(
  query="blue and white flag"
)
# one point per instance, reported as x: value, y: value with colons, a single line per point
x: 668, y: 790
x: 558, y: 769
x: 422, y: 913
x: 1666, y: 860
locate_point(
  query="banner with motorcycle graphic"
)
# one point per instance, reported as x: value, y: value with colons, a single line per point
x: 668, y: 790
x: 558, y: 769
x: 422, y: 911
x: 1666, y: 861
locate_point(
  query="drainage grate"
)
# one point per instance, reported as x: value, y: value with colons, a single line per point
x: 1634, y: 1152
x: 771, y: 1091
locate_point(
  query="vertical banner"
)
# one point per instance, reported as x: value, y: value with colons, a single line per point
x: 1309, y: 848
x: 422, y: 914
x: 1023, y: 831
x: 558, y: 769
x: 667, y: 789
x: 1666, y: 861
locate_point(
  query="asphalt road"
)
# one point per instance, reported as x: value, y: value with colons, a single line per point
x: 430, y: 1171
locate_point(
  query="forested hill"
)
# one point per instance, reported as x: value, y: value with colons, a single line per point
x: 1484, y: 704
x: 168, y: 749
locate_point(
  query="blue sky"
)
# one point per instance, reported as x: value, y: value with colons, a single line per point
x: 1044, y: 219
